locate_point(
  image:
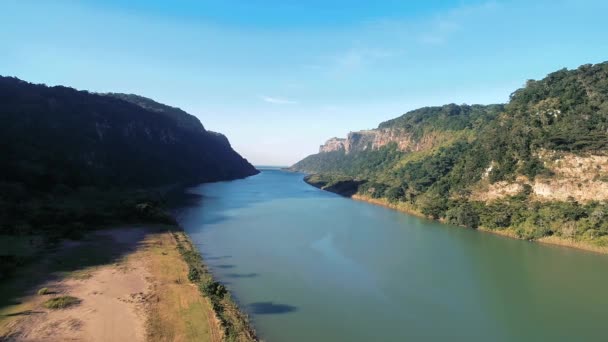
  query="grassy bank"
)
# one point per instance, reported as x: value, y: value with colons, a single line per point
x: 176, y: 311
x: 234, y: 323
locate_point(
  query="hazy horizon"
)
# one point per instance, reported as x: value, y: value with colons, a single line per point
x: 281, y: 78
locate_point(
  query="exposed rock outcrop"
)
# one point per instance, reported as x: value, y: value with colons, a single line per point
x: 376, y: 138
x: 581, y: 178
x: 333, y: 144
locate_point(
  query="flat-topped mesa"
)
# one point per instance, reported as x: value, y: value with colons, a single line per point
x: 333, y: 144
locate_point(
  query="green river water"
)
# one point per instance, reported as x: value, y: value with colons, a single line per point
x: 309, y: 265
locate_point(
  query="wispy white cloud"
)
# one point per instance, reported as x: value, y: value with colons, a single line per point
x: 331, y: 108
x: 384, y: 42
x: 445, y: 25
x: 441, y: 30
x: 277, y: 100
x: 357, y: 58
x: 431, y: 30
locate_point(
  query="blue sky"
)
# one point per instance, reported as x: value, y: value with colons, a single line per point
x: 281, y: 77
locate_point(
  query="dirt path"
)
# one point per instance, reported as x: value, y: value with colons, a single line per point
x: 143, y: 295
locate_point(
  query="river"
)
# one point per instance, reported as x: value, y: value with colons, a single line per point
x: 309, y: 265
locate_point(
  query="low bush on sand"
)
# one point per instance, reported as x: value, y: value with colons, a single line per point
x: 44, y: 291
x: 61, y: 302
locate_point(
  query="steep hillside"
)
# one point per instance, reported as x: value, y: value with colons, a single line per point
x: 532, y: 168
x: 58, y: 135
x: 72, y: 158
x: 423, y: 130
x: 184, y: 120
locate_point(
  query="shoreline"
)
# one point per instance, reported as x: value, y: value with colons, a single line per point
x: 130, y: 282
x: 547, y: 240
x: 231, y: 318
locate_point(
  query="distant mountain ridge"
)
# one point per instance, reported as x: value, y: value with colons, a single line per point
x: 411, y: 131
x: 184, y: 120
x: 534, y: 167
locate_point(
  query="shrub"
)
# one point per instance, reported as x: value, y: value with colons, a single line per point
x: 395, y: 194
x: 215, y: 289
x: 433, y: 205
x: 44, y: 291
x: 463, y: 215
x: 496, y: 216
x: 532, y: 228
x: 61, y: 302
x: 194, y: 275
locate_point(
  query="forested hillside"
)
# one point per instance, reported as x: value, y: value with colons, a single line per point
x: 532, y: 168
x: 71, y: 158
x: 184, y: 120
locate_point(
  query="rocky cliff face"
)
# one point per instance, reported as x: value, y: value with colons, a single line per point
x: 419, y: 130
x: 377, y: 138
x: 574, y: 177
x: 333, y: 144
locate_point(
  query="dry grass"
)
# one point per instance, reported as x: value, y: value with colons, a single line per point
x: 584, y: 245
x: 44, y: 291
x: 401, y: 206
x: 177, y: 311
x: 235, y: 323
x: 61, y: 302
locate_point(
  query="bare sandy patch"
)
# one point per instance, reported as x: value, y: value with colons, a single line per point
x: 111, y: 298
x: 135, y: 287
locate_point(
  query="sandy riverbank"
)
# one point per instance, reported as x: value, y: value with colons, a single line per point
x: 132, y: 284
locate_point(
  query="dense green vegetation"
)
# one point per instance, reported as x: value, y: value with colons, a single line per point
x: 566, y: 111
x: 450, y: 117
x: 363, y: 164
x: 460, y: 123
x: 184, y: 120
